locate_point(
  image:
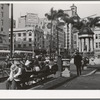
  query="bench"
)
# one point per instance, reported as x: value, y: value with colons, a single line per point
x: 34, y: 76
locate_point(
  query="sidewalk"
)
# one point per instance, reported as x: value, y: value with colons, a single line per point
x: 96, y: 66
x: 61, y: 80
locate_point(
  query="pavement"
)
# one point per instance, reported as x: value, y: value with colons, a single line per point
x: 89, y: 82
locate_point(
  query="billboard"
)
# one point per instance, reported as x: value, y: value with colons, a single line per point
x: 32, y: 18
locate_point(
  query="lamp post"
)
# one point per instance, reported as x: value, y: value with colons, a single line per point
x: 11, y: 42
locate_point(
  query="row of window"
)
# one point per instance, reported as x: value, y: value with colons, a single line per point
x: 24, y: 39
x: 97, y: 44
x: 24, y: 45
x: 24, y: 34
x: 97, y: 36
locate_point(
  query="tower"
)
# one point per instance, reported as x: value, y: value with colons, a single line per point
x: 74, y: 10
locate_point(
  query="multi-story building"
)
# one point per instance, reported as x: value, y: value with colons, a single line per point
x: 23, y: 38
x: 68, y: 30
x: 97, y: 41
x: 38, y: 39
x: 14, y: 23
x: 75, y: 39
x: 4, y: 26
x: 27, y: 39
x: 61, y: 38
x: 29, y: 20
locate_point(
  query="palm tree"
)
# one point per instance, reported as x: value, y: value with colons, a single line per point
x: 54, y: 15
x: 51, y: 16
x: 95, y: 22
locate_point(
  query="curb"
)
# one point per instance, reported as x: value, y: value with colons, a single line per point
x: 55, y: 83
x: 64, y: 81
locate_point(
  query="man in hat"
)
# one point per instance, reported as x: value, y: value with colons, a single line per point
x: 15, y: 72
x: 78, y: 63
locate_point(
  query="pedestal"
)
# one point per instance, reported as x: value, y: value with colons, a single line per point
x: 59, y: 63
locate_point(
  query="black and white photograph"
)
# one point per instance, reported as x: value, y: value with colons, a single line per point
x: 50, y: 45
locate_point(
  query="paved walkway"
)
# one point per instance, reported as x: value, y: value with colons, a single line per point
x: 91, y: 82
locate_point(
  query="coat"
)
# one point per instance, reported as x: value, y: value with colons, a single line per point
x: 78, y: 60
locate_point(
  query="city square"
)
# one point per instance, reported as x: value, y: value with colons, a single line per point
x: 42, y: 46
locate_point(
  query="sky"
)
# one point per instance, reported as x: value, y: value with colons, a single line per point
x: 84, y: 8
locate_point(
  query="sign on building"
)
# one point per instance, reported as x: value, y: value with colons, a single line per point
x: 32, y: 18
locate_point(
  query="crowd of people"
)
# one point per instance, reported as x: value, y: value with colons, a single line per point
x: 22, y: 70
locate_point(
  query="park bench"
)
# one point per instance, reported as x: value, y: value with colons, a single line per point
x: 28, y: 76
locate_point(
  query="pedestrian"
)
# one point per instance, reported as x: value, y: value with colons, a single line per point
x: 78, y: 63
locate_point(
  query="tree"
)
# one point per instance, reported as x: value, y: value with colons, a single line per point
x: 51, y: 16
x: 95, y: 21
x: 54, y: 15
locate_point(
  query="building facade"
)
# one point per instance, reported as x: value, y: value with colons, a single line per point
x: 69, y: 28
x: 38, y: 39
x: 14, y: 23
x: 29, y: 20
x: 97, y: 41
x: 4, y: 26
x: 27, y: 39
x: 23, y: 38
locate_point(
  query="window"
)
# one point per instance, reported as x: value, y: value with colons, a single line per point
x: 99, y: 44
x: 19, y: 34
x: 30, y: 45
x: 19, y: 45
x: 24, y: 45
x: 75, y: 37
x: 35, y: 40
x: 30, y: 34
x: 24, y: 39
x: 2, y: 6
x: 96, y: 45
x: 30, y: 39
x: 2, y: 14
x: 35, y: 34
x: 9, y: 35
x: 96, y: 36
x: 74, y: 42
x: 2, y: 22
x: 24, y: 34
x: 1, y: 28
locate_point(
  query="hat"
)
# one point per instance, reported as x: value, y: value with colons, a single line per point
x: 13, y: 67
x: 27, y: 63
x: 16, y: 62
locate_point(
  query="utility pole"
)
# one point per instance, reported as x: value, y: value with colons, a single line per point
x: 11, y: 42
x: 51, y: 41
x: 57, y: 41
